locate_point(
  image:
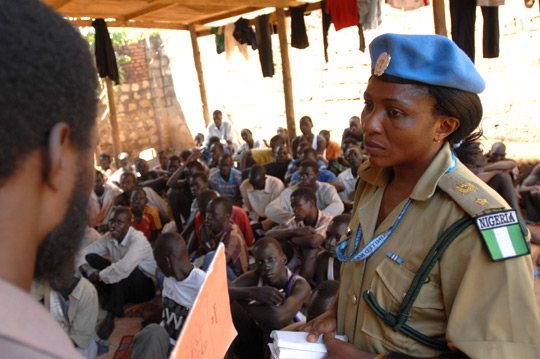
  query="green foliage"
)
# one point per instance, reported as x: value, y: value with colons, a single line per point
x: 120, y: 37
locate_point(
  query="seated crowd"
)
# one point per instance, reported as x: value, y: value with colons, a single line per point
x: 279, y: 217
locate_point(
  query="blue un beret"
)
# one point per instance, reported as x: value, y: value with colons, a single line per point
x: 430, y: 59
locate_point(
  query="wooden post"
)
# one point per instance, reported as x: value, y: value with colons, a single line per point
x: 112, y: 117
x: 200, y: 76
x: 439, y: 17
x: 287, y: 78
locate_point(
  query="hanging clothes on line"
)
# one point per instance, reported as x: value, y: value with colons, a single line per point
x: 263, y: 34
x: 463, y: 18
x: 231, y: 43
x: 344, y: 13
x: 220, y: 38
x: 244, y: 34
x: 407, y: 5
x: 326, y: 21
x: 299, y: 38
x: 370, y: 13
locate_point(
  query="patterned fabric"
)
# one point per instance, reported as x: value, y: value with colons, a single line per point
x: 323, y: 220
x: 149, y: 221
x: 238, y: 216
x: 229, y: 188
x: 235, y: 248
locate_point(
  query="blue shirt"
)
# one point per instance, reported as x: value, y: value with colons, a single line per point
x: 229, y: 189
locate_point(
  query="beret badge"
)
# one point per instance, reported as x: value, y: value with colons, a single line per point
x: 382, y: 64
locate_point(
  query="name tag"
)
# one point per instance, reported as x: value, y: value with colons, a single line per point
x: 502, y: 235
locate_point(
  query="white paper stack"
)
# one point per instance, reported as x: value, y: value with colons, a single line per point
x: 292, y: 345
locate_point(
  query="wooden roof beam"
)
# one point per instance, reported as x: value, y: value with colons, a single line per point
x: 226, y: 15
x: 145, y: 11
x: 206, y: 32
x: 234, y: 3
x: 137, y: 24
x: 62, y: 3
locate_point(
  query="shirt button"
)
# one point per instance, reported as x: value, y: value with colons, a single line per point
x: 354, y: 299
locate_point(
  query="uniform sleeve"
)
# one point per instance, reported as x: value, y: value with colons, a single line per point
x: 331, y: 203
x: 279, y: 210
x: 491, y: 306
x: 138, y: 249
x: 83, y: 324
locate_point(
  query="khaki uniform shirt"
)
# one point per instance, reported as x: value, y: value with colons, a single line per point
x: 484, y: 309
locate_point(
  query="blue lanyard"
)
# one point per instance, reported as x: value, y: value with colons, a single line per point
x: 372, y: 246
x: 379, y: 240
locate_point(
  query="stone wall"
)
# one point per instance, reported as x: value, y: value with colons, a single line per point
x: 148, y: 112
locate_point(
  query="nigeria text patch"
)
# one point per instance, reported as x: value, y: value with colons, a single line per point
x: 502, y: 235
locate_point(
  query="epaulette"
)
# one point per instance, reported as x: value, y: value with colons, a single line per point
x: 502, y: 229
x: 470, y: 193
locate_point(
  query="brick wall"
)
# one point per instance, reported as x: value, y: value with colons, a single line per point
x: 135, y: 70
x: 148, y: 112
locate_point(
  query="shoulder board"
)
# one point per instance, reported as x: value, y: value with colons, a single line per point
x: 473, y: 195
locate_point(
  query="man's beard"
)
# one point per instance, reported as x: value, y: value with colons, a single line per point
x: 55, y: 260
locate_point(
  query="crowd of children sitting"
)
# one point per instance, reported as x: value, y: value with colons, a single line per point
x: 278, y: 215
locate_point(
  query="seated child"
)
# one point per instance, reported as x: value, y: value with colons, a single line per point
x: 221, y: 229
x: 180, y: 287
x: 305, y: 232
x: 145, y: 218
x: 264, y: 299
x: 327, y: 267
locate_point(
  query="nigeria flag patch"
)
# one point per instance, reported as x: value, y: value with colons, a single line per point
x: 502, y: 235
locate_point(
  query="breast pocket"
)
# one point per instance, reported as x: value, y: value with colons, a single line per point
x: 389, y: 286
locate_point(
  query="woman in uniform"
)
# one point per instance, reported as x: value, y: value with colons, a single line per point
x: 435, y: 264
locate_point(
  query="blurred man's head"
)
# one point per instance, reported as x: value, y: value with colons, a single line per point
x: 48, y: 109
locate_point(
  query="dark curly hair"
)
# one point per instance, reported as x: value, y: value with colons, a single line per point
x: 47, y: 76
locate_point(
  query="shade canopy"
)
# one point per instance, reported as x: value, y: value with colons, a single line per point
x: 161, y: 14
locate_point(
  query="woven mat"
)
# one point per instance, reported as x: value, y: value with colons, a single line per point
x: 124, y: 348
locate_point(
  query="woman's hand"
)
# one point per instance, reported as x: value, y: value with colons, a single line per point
x: 324, y: 323
x: 338, y: 349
